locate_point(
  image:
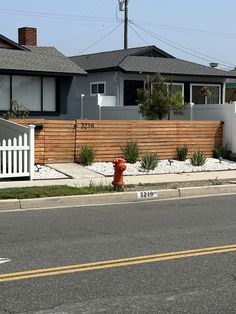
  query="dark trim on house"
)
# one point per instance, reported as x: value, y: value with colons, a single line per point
x: 12, y: 43
x: 40, y: 73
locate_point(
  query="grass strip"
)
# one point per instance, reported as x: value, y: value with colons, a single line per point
x: 50, y: 191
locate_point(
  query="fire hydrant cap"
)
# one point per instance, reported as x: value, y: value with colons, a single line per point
x: 118, y: 160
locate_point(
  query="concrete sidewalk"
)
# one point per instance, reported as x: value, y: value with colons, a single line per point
x: 80, y: 176
x: 84, y: 177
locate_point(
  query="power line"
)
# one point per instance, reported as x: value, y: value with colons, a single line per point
x: 99, y: 7
x: 173, y: 44
x: 84, y: 15
x: 188, y: 30
x: 55, y: 16
x: 99, y: 40
x: 85, y: 35
x: 138, y: 35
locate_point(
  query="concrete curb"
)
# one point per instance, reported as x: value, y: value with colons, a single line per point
x: 121, y: 197
x: 207, y: 190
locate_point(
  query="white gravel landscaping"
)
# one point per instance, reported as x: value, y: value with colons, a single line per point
x: 106, y: 168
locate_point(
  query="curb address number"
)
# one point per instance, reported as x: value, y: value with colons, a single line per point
x: 147, y: 194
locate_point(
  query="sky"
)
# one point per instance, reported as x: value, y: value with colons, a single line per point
x: 200, y: 31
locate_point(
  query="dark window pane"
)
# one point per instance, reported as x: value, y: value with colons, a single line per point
x: 101, y: 88
x: 94, y: 89
x: 197, y: 96
x: 130, y: 92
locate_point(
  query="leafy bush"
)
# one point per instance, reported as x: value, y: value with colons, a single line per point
x: 149, y: 161
x: 181, y: 152
x: 131, y: 151
x: 198, y: 158
x: 87, y: 155
x: 221, y: 151
x: 18, y: 111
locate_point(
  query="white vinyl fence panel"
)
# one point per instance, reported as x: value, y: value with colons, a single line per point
x: 17, y: 154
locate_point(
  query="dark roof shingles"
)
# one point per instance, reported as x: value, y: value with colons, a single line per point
x: 38, y: 59
x: 167, y: 66
x: 112, y: 59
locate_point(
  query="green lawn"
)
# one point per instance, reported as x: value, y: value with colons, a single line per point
x: 49, y: 191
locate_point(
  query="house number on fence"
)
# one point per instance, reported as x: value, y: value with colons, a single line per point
x: 87, y: 125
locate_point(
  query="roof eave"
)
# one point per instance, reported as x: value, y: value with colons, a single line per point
x: 41, y: 73
x: 13, y: 43
x: 178, y: 74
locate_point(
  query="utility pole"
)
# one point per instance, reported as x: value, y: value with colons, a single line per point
x: 124, y: 7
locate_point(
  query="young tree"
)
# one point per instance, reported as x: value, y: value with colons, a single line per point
x: 157, y: 100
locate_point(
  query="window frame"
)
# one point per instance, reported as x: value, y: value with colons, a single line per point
x: 41, y: 94
x: 176, y: 84
x: 97, y: 83
x: 204, y: 84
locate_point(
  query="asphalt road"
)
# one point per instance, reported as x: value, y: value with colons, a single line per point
x: 201, y: 281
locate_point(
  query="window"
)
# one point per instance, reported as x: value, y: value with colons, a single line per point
x: 205, y: 93
x: 130, y: 92
x: 49, y: 94
x: 175, y: 88
x: 27, y: 90
x: 36, y: 93
x: 97, y: 88
x: 4, y: 92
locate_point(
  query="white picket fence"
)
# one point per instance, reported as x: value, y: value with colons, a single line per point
x: 17, y: 155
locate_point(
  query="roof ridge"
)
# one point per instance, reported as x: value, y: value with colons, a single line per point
x: 111, y: 51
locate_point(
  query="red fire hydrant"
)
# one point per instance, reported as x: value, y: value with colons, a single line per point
x: 119, y: 167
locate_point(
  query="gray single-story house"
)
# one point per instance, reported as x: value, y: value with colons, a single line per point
x: 114, y: 77
x: 38, y: 77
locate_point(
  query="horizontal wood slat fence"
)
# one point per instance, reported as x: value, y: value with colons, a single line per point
x: 60, y: 140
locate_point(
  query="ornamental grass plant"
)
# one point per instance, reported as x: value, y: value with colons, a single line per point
x: 131, y: 151
x: 198, y: 158
x: 181, y: 152
x: 221, y: 151
x: 87, y: 155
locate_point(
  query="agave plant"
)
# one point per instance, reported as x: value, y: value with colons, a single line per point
x: 149, y: 161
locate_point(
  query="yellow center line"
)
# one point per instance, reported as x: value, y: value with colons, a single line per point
x: 34, y: 273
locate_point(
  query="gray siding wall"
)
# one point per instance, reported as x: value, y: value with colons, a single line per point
x: 72, y: 88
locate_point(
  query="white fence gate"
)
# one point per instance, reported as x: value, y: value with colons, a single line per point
x: 16, y: 150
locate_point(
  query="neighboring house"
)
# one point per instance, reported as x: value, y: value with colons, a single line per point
x: 38, y: 77
x: 230, y: 94
x: 116, y: 76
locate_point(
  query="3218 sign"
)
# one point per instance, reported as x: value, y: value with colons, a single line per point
x: 87, y: 125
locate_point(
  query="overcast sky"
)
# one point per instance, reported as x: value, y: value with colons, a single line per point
x: 206, y: 29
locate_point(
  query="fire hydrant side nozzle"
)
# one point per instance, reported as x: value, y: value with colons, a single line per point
x: 119, y: 168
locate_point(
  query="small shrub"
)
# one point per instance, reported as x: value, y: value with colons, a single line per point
x: 181, y: 152
x: 87, y: 155
x: 18, y: 111
x: 198, y: 158
x: 149, y: 161
x: 131, y: 151
x: 221, y: 151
